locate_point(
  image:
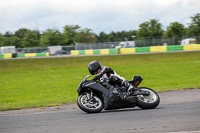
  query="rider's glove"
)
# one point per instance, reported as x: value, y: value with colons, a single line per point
x: 96, y: 78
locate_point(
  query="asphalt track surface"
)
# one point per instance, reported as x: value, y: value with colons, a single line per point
x: 179, y: 111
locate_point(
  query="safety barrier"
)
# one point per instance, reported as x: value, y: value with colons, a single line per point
x: 191, y: 47
x: 113, y: 51
x: 136, y: 50
x: 7, y: 56
x: 94, y: 52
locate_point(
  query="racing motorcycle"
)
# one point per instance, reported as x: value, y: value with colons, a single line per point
x: 94, y: 96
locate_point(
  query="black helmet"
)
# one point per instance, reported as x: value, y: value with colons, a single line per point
x: 94, y: 66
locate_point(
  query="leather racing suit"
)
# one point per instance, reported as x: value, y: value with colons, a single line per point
x: 107, y: 72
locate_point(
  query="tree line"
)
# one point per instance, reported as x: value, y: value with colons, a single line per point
x: 74, y: 34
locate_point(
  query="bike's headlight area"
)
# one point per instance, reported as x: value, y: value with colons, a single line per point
x: 79, y: 87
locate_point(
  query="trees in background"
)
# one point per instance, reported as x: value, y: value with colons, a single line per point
x: 175, y: 29
x: 194, y: 26
x: 150, y: 29
x: 51, y: 37
x: 72, y: 34
x: 31, y: 39
x: 1, y: 40
x: 116, y: 36
x: 85, y: 36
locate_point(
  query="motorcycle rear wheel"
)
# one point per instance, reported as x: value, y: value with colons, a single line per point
x: 148, y: 102
x: 90, y: 106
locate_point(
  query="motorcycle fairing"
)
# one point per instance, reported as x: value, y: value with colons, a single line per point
x: 111, y: 101
x: 95, y: 87
x: 115, y: 102
x: 136, y: 80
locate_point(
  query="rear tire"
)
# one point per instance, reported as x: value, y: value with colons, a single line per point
x: 148, y: 102
x: 94, y: 106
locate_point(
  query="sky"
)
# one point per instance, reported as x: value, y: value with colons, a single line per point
x: 98, y: 15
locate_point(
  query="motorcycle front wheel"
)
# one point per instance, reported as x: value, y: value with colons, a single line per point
x: 90, y: 104
x: 148, y: 101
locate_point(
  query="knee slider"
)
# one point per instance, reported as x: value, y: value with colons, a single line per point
x: 115, y: 80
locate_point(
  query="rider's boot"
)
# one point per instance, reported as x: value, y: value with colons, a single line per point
x: 123, y: 92
x: 129, y: 87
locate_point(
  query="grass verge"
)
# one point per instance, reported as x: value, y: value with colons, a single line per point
x: 53, y: 81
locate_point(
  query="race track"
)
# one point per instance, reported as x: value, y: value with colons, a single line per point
x: 179, y: 111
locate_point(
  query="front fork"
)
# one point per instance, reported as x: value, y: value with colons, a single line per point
x: 90, y: 96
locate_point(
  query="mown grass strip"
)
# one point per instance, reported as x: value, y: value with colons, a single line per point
x: 53, y: 81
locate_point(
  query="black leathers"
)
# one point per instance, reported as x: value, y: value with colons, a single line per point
x: 105, y: 71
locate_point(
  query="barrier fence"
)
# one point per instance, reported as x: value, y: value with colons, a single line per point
x: 7, y: 56
x: 145, y: 42
x: 136, y: 50
x: 113, y: 51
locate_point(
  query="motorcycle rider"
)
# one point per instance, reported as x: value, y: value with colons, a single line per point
x: 106, y: 72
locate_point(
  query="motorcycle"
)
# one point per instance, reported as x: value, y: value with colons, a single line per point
x: 94, y: 96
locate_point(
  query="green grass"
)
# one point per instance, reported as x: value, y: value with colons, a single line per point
x: 52, y: 81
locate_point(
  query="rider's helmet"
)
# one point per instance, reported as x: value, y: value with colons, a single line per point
x: 94, y: 66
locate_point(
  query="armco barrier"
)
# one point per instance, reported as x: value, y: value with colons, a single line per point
x: 1, y: 56
x: 88, y: 52
x: 112, y: 51
x: 93, y: 52
x: 142, y: 49
x: 74, y: 52
x: 191, y: 47
x: 20, y: 55
x: 136, y: 50
x: 7, y: 56
x: 96, y: 51
x: 127, y: 50
x: 175, y: 48
x: 104, y: 51
x: 42, y: 54
x: 30, y: 55
x: 158, y: 48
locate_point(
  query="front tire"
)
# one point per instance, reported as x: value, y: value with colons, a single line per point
x: 90, y: 106
x: 148, y: 102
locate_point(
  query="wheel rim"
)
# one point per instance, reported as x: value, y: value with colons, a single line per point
x: 95, y: 103
x: 151, y: 98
